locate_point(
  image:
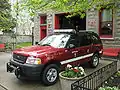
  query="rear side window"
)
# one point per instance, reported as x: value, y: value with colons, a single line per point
x: 96, y: 39
x: 85, y: 40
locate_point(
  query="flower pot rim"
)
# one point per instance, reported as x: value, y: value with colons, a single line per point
x: 69, y: 78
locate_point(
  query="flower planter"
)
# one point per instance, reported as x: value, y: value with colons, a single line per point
x: 66, y: 82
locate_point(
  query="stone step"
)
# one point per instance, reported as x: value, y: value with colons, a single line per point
x: 111, y: 58
x: 116, y: 42
x: 111, y: 45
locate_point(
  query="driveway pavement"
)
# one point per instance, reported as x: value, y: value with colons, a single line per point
x: 8, y: 81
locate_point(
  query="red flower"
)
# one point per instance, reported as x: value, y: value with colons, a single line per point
x: 75, y: 70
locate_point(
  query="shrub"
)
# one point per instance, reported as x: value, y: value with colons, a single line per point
x: 108, y: 88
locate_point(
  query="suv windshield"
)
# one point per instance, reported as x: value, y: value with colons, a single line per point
x: 56, y: 40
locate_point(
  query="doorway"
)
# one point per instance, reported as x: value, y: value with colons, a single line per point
x: 72, y: 22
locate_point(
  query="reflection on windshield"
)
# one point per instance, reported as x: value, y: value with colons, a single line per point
x: 57, y: 41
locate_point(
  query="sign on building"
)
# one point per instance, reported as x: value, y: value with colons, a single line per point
x: 50, y: 29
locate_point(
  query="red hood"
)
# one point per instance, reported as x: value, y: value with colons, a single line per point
x: 35, y: 50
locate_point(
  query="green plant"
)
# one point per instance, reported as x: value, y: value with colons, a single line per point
x: 108, y: 88
x: 24, y: 44
x: 8, y: 45
x: 73, y: 72
x: 117, y: 74
x: 0, y: 42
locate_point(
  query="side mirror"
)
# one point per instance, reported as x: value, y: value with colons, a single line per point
x: 36, y: 43
x: 71, y: 46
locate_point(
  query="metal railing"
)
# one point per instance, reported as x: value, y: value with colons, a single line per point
x: 96, y: 79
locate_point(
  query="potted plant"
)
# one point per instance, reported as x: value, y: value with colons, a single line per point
x: 70, y: 75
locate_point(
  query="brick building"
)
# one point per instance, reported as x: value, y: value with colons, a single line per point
x: 105, y: 22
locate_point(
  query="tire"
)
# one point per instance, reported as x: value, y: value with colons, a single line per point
x: 94, y: 61
x: 50, y: 74
x: 18, y: 73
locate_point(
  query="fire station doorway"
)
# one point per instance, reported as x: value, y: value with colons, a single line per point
x: 43, y: 33
x: 71, y: 22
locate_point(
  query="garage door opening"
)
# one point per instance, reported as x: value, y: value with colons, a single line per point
x: 64, y: 22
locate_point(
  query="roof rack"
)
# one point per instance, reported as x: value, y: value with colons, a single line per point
x: 90, y: 30
x: 71, y: 31
x: 86, y: 31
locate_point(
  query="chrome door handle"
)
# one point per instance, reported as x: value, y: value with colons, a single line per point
x: 74, y: 51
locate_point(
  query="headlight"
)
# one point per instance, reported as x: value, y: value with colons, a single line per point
x: 33, y: 60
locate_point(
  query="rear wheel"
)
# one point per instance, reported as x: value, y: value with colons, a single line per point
x: 50, y: 74
x: 94, y: 60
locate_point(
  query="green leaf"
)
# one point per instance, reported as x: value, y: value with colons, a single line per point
x: 74, y: 6
x: 7, y: 22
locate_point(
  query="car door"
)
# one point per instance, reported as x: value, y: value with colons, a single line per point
x: 71, y: 50
x: 96, y: 43
x: 85, y: 48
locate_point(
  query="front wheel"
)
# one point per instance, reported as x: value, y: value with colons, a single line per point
x: 50, y: 74
x: 94, y: 60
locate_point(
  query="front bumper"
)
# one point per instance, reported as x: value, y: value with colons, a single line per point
x: 25, y: 70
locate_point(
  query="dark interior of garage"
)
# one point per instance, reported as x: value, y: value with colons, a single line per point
x: 72, y: 22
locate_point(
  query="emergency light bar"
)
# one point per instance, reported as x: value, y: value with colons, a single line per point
x: 70, y: 30
x: 63, y: 30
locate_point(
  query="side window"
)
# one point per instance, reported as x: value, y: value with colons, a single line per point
x: 73, y: 42
x: 85, y: 40
x: 95, y: 40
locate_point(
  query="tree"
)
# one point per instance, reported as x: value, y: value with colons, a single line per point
x: 23, y: 18
x: 74, y: 7
x: 7, y: 22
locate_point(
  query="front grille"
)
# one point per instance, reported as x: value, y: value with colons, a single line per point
x: 19, y: 58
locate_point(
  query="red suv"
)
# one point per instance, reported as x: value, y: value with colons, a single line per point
x: 44, y: 61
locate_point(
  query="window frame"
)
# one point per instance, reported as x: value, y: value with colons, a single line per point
x: 100, y: 23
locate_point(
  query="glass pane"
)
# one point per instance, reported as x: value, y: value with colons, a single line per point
x: 107, y: 15
x: 106, y: 26
x: 57, y: 41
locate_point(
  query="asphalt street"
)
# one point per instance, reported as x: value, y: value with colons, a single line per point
x: 8, y: 81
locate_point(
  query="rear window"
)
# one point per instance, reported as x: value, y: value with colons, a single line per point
x: 85, y: 40
x: 96, y: 39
